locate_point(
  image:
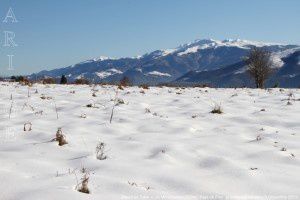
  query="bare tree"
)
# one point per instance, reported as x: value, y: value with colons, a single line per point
x: 259, y: 65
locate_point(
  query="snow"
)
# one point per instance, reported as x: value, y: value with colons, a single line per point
x: 102, y: 58
x: 156, y: 73
x: 168, y: 51
x: 159, y: 53
x: 287, y: 52
x: 290, y: 75
x: 189, y: 50
x: 176, y: 150
x: 107, y: 73
x: 277, y: 61
x: 193, y: 47
x: 242, y: 70
x: 277, y: 56
x: 103, y: 74
x: 80, y: 76
x: 244, y: 43
x: 139, y: 69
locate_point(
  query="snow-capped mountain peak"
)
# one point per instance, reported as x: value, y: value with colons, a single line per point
x: 210, y: 43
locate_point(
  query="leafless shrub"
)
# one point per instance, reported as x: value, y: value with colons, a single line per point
x: 291, y: 97
x: 144, y: 86
x: 100, y: 155
x: 84, y: 184
x: 293, y: 155
x: 258, y: 138
x: 27, y: 126
x: 83, y: 116
x: 83, y: 170
x: 120, y: 101
x: 134, y: 184
x: 48, y: 81
x: 147, y: 110
x: 60, y: 137
x: 92, y: 105
x: 39, y: 112
x: 44, y: 97
x: 217, y: 109
x: 283, y: 149
x: 120, y: 87
x: 89, y: 105
x: 124, y: 82
x: 81, y: 81
x: 29, y: 106
x: 259, y: 65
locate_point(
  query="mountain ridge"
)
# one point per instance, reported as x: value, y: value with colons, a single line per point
x: 169, y: 65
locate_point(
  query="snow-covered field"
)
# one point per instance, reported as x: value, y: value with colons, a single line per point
x: 163, y: 143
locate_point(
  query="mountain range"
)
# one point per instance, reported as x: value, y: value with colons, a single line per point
x: 212, y: 62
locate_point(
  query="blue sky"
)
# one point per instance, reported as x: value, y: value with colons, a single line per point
x: 58, y: 33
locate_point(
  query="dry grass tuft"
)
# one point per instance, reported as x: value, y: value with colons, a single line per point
x: 100, y: 155
x: 84, y: 184
x: 27, y: 126
x: 217, y: 110
x: 60, y: 137
x: 144, y: 86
